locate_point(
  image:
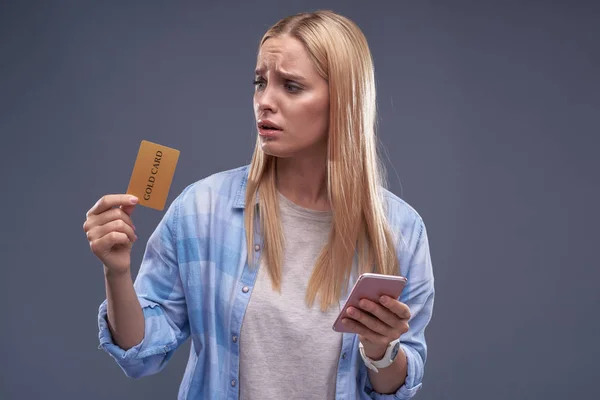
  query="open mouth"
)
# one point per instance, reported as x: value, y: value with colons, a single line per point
x: 268, y: 127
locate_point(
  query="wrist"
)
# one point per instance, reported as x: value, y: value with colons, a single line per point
x: 112, y: 274
x: 375, y: 353
x: 375, y: 360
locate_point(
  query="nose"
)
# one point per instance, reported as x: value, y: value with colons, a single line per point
x: 264, y: 101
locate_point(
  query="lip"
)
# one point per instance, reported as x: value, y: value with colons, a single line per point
x: 268, y: 133
x: 267, y: 122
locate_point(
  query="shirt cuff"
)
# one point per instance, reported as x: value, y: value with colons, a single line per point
x: 155, y: 341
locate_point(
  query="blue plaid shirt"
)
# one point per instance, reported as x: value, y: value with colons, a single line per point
x: 194, y: 282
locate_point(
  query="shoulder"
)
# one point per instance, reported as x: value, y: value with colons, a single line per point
x: 223, y: 182
x: 399, y: 210
x: 403, y: 219
x: 225, y: 188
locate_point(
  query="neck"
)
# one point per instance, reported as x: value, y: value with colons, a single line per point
x: 304, y: 181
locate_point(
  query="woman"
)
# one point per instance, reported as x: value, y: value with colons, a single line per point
x: 253, y: 263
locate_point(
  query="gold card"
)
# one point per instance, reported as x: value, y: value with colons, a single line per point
x: 152, y: 174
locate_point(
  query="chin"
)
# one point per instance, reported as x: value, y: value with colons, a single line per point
x: 272, y: 148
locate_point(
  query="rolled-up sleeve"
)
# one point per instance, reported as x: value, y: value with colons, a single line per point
x: 419, y: 297
x: 160, y: 293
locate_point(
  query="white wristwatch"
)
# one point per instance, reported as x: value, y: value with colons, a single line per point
x: 388, y: 358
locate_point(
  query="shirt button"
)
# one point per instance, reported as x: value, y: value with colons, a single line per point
x: 245, y: 289
x: 234, y: 338
x: 256, y: 247
x: 233, y: 382
x: 344, y: 356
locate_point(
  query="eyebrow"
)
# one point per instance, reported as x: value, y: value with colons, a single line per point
x: 286, y: 75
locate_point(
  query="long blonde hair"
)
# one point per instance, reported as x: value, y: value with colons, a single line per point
x: 342, y: 57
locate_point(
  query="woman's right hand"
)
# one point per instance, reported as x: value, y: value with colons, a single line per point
x: 110, y: 231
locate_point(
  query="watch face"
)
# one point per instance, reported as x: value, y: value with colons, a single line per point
x: 395, y: 351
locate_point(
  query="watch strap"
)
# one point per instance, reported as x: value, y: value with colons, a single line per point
x: 385, y: 361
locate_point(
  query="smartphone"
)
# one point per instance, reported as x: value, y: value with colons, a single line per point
x: 370, y: 286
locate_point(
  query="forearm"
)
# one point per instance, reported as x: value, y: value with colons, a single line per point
x: 124, y: 313
x: 388, y: 380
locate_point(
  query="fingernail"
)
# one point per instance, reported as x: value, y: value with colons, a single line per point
x: 383, y: 299
x: 133, y: 200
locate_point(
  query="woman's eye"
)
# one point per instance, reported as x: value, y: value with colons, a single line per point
x: 259, y: 83
x: 292, y: 88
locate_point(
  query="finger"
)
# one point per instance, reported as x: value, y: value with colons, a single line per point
x: 108, y: 241
x: 106, y: 217
x: 128, y: 209
x: 395, y: 306
x: 360, y: 329
x: 381, y: 312
x: 370, y: 321
x: 111, y: 200
x: 117, y: 225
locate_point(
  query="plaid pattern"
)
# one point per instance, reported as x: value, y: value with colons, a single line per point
x: 194, y: 283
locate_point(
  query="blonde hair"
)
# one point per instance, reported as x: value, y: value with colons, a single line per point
x: 342, y: 57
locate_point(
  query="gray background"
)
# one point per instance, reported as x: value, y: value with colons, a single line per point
x: 489, y: 113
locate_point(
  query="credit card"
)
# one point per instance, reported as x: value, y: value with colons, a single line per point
x: 152, y: 174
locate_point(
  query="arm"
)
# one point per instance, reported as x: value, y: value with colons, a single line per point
x: 419, y: 298
x: 125, y: 316
x: 411, y: 314
x: 389, y: 380
x: 157, y: 295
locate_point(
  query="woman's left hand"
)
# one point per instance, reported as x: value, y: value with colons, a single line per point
x: 377, y: 324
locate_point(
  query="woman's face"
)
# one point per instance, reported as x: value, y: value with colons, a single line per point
x: 291, y: 100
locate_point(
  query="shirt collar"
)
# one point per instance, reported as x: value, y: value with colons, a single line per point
x: 240, y: 197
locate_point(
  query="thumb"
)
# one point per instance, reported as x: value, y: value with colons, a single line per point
x: 128, y: 209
